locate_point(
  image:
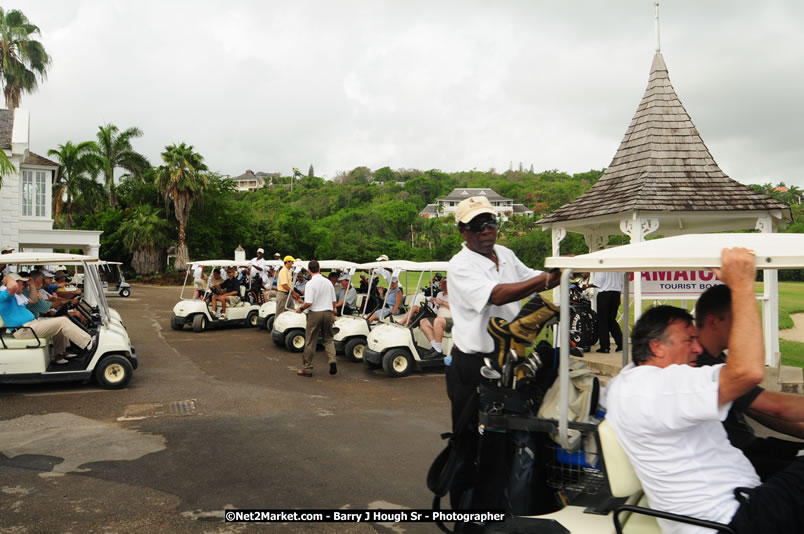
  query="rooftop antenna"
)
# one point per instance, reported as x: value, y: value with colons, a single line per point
x: 658, y: 44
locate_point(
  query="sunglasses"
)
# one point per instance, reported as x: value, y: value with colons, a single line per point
x: 479, y: 227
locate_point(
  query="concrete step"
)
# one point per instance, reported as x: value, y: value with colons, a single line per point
x: 791, y: 379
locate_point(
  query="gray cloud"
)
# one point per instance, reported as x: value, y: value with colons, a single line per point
x: 450, y: 85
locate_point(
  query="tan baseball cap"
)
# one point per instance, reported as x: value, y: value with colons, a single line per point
x: 471, y: 207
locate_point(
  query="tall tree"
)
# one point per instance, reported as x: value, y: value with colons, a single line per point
x: 145, y: 232
x: 113, y: 150
x: 311, y: 171
x: 23, y: 60
x: 76, y: 160
x: 182, y: 179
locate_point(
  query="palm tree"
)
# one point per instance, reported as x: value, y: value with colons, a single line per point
x: 75, y: 160
x: 145, y: 234
x: 112, y: 150
x: 23, y: 60
x: 182, y: 180
x: 6, y: 167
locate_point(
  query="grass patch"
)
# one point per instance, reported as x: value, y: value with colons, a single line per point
x: 792, y: 353
x: 791, y: 300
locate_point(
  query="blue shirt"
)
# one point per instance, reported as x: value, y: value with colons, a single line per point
x: 12, y: 313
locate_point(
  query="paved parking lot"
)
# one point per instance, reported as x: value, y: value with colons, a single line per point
x: 212, y: 421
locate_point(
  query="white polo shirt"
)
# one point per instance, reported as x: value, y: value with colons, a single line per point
x: 320, y: 293
x: 472, y: 277
x: 259, y: 262
x: 669, y: 422
x: 608, y: 281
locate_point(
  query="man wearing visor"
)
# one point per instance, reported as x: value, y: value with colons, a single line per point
x: 486, y: 280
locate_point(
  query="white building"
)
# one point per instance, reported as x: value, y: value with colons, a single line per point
x: 251, y: 181
x: 26, y: 196
x: 447, y: 205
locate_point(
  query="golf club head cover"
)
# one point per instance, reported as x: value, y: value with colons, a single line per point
x: 522, y: 331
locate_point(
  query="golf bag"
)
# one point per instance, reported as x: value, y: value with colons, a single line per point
x: 583, y: 320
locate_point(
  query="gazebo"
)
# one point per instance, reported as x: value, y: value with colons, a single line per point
x: 664, y: 181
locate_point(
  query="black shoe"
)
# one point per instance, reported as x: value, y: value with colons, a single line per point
x: 432, y: 354
x: 604, y: 351
x: 618, y: 349
x: 333, y: 368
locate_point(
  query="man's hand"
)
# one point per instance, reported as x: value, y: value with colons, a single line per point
x: 738, y: 269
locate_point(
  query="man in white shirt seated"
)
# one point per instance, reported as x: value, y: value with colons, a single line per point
x: 668, y: 413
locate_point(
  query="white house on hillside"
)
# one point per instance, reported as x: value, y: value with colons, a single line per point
x: 26, y: 222
x: 447, y: 205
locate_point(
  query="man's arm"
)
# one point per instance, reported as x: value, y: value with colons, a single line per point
x: 745, y: 366
x: 778, y: 405
x: 791, y: 428
x: 516, y: 291
x: 11, y: 285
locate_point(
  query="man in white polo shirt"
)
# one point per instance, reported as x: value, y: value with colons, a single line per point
x: 485, y: 280
x: 668, y: 417
x: 319, y: 296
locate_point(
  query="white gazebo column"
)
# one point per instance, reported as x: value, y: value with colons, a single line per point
x: 557, y: 233
x: 770, y: 303
x: 637, y: 228
x: 94, y: 251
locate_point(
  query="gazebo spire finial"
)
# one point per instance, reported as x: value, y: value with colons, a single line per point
x: 658, y: 44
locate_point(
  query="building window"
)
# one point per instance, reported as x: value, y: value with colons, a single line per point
x: 34, y: 193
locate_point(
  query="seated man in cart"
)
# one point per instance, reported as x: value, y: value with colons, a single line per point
x: 229, y: 293
x: 668, y: 416
x: 781, y: 412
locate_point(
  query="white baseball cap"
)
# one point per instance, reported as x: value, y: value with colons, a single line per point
x: 261, y: 250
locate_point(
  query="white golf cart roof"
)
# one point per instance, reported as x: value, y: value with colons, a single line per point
x: 691, y: 251
x: 388, y: 264
x: 30, y: 258
x: 223, y: 263
x: 326, y: 265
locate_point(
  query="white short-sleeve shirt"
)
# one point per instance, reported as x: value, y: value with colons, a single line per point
x: 669, y: 422
x: 472, y: 277
x: 320, y: 293
x: 260, y: 262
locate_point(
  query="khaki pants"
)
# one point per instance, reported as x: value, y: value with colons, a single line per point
x: 281, y: 300
x: 61, y: 329
x: 318, y: 322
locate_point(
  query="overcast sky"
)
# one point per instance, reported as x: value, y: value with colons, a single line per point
x: 269, y: 85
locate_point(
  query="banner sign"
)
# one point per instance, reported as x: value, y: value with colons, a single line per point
x: 674, y: 284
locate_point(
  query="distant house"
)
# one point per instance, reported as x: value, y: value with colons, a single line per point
x: 251, y: 181
x: 447, y: 205
x: 26, y: 196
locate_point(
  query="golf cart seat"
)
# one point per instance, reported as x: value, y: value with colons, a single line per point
x: 8, y: 341
x: 623, y: 482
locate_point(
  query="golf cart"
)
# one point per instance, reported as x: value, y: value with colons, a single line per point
x: 399, y: 348
x: 289, y: 327
x: 111, y: 363
x: 265, y: 317
x: 351, y: 331
x: 594, y: 476
x: 109, y: 270
x: 196, y: 312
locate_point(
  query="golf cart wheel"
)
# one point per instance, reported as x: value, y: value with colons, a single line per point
x: 372, y: 365
x: 354, y: 349
x: 125, y: 292
x: 251, y: 319
x: 294, y: 341
x: 114, y: 372
x: 199, y: 323
x: 269, y: 324
x: 176, y: 324
x: 397, y: 363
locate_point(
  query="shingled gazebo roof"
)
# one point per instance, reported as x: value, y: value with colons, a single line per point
x: 662, y: 165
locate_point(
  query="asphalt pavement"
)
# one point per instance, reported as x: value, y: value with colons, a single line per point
x: 213, y: 421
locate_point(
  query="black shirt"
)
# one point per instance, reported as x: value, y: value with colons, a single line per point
x: 231, y: 284
x: 741, y: 435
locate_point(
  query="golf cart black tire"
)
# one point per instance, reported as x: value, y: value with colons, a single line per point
x: 176, y: 324
x: 291, y: 340
x: 251, y: 319
x: 114, y: 372
x: 397, y: 362
x: 355, y: 346
x: 269, y: 324
x: 372, y: 365
x: 125, y: 292
x: 199, y: 323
